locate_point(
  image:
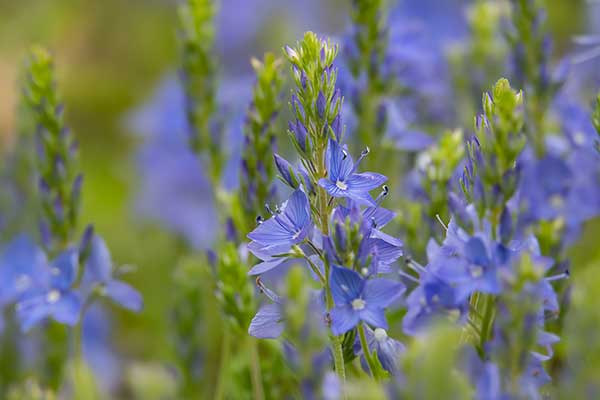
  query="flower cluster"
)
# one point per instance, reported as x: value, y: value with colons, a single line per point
x: 331, y: 221
x: 398, y: 253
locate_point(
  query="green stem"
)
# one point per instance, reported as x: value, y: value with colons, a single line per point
x: 487, y: 321
x: 225, y: 350
x: 336, y: 343
x: 367, y: 352
x: 338, y: 360
x: 257, y: 385
x: 316, y: 270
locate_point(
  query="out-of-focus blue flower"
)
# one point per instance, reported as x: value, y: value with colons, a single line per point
x: 55, y: 298
x: 388, y: 350
x: 239, y: 26
x: 98, y: 350
x: 414, y: 69
x: 563, y: 183
x: 275, y: 236
x: 433, y: 298
x: 22, y: 269
x: 358, y: 300
x: 343, y: 181
x: 173, y: 190
x: 99, y: 274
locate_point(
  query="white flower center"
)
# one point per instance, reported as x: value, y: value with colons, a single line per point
x: 364, y: 271
x: 22, y: 283
x: 477, y: 271
x: 579, y: 138
x: 341, y: 185
x: 53, y: 296
x: 358, y: 304
x: 557, y: 201
x: 380, y: 334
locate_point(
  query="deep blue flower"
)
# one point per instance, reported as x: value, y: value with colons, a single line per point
x: 99, y: 274
x: 358, y: 300
x: 275, y: 236
x: 343, y: 181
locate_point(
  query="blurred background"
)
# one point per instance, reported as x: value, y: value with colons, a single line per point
x: 111, y: 55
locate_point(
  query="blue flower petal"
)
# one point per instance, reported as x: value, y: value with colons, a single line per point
x: 346, y: 285
x: 67, y: 309
x: 343, y: 318
x: 267, y: 323
x: 124, y: 295
x: 99, y: 264
x: 339, y: 164
x: 365, y: 181
x: 374, y: 316
x: 64, y: 269
x: 270, y: 232
x: 32, y: 311
x: 266, y: 266
x: 382, y: 292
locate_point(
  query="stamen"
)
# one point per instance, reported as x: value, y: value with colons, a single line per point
x: 268, y: 208
x: 259, y: 220
x: 437, y: 216
x: 362, y: 155
x: 408, y: 276
x: 415, y: 266
x: 384, y: 192
x: 564, y: 275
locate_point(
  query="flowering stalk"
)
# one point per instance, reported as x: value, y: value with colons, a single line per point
x: 59, y: 181
x: 199, y: 77
x: 61, y: 280
x: 258, y: 170
x: 531, y: 47
x: 435, y: 167
x: 365, y: 55
x: 324, y: 224
x: 316, y: 105
x: 481, y: 59
x: 490, y: 177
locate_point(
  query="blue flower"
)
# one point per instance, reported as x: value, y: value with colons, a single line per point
x: 22, y: 269
x: 433, y: 298
x: 99, y: 274
x: 173, y: 190
x: 358, y: 300
x: 377, y: 251
x: 343, y: 181
x: 56, y: 297
x: 277, y: 235
x: 388, y: 349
